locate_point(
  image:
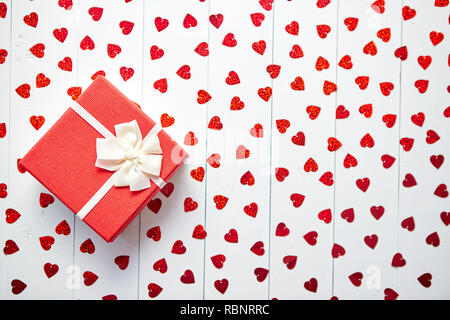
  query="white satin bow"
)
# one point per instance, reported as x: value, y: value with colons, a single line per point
x: 134, y: 160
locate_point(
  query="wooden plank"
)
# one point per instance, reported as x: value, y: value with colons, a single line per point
x: 124, y: 70
x: 237, y: 46
x: 302, y: 270
x: 185, y: 72
x: 370, y: 240
x: 24, y: 191
x: 5, y: 68
x: 425, y: 248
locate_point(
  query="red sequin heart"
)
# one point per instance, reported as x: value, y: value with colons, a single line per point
x: 74, y: 92
x: 323, y: 30
x: 154, y: 290
x: 296, y: 52
x: 11, y: 215
x: 187, y: 277
x: 229, y: 40
x: 325, y: 215
x: 247, y: 179
x: 258, y: 248
x: 281, y: 230
x: 203, y: 97
x: 273, y: 70
x: 126, y: 27
x: 348, y: 214
x: 17, y: 286
x: 221, y: 285
x: 299, y: 139
x: 257, y: 131
x: 408, y: 224
x: 290, y: 262
x: 65, y: 64
x: 87, y: 247
x: 87, y: 43
x: 63, y: 228
x: 60, y: 34
x: 351, y: 23
x: 24, y: 90
x: 31, y: 19
x: 189, y: 21
x: 126, y: 73
x: 362, y: 82
x: 259, y: 47
x: 42, y: 81
x: 154, y: 205
x: 441, y: 191
x: 398, y: 261
x: 350, y: 161
x: 311, y: 238
x: 292, y: 28
x: 384, y: 34
x: 282, y: 125
x: 184, y: 72
x: 89, y: 278
x: 387, y: 160
x: 311, y: 285
x: 251, y: 209
x: 436, y: 37
x: 242, y: 152
x: 333, y: 144
x: 199, y: 232
x: 257, y: 18
x: 122, y: 262
x: 46, y: 242
x: 178, y: 247
x: 202, y: 49
x: 216, y: 20
x: 337, y: 251
x: 166, y: 120
x: 370, y: 48
x: 231, y: 236
x: 190, y: 205
x: 160, y: 265
x: 3, y: 192
x: 154, y: 233
x: 50, y: 269
x: 355, y: 278
x: 261, y: 274
x: 408, y: 13
x: 232, y: 78
x: 215, y: 123
x: 437, y: 160
x: 218, y: 260
x: 371, y: 241
x: 220, y: 201
x: 297, y: 199
x: 190, y: 139
x: 161, y: 23
x: 363, y: 184
x: 10, y: 247
x: 38, y: 50
x: 377, y: 211
x: 198, y: 174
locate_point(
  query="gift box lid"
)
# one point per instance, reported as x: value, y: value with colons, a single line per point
x: 63, y: 160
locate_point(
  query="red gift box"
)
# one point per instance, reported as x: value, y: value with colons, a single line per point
x: 64, y: 159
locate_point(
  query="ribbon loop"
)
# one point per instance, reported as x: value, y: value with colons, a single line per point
x: 134, y: 160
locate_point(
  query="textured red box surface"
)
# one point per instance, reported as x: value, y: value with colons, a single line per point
x: 63, y: 160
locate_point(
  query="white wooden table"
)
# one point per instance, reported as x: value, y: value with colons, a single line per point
x: 342, y: 43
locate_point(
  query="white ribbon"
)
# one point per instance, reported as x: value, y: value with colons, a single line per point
x: 135, y: 161
x: 132, y: 158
